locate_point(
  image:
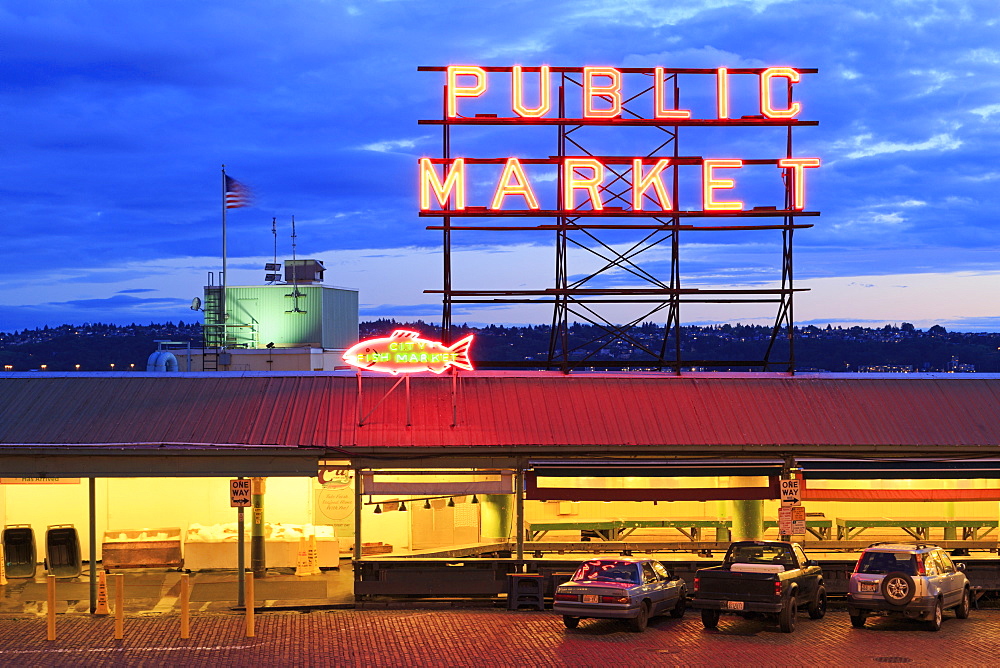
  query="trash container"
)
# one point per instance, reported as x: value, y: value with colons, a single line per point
x: 525, y: 589
x: 19, y: 553
x: 62, y: 551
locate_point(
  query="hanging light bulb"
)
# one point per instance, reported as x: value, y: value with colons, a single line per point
x: 427, y: 504
x: 378, y: 509
x: 451, y: 502
x: 475, y: 499
x: 402, y: 506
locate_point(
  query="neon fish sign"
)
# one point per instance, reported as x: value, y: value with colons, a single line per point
x: 585, y: 183
x: 404, y: 351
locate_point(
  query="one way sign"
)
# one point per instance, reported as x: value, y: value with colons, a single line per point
x: 239, y: 493
x: 790, y: 493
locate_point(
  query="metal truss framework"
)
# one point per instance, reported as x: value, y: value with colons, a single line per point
x: 577, y: 297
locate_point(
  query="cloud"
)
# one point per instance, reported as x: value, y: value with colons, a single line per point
x: 986, y: 112
x: 864, y: 146
x: 393, y: 145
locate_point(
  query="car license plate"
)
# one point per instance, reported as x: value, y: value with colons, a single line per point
x: 867, y: 586
x: 734, y: 605
x: 591, y: 598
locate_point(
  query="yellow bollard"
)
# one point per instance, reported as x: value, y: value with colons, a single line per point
x: 3, y: 566
x: 313, y: 556
x: 102, y: 594
x: 302, y: 559
x: 119, y: 606
x: 249, y: 602
x: 51, y: 609
x: 185, y: 606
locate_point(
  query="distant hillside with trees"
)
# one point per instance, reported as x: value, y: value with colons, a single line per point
x: 96, y: 346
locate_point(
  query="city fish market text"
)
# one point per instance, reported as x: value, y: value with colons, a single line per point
x: 405, y: 352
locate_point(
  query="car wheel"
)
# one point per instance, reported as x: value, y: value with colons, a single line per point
x: 710, y: 618
x: 640, y: 621
x: 786, y: 618
x: 962, y: 611
x: 678, y: 610
x: 571, y: 622
x: 897, y: 588
x: 934, y: 623
x: 858, y: 620
x: 817, y: 607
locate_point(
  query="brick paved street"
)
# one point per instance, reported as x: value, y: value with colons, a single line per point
x: 479, y: 637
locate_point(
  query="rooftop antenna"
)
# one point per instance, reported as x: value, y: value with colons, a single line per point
x: 274, y: 233
x: 295, y: 294
x: 273, y: 267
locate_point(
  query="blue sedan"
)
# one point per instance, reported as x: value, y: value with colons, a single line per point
x: 630, y: 589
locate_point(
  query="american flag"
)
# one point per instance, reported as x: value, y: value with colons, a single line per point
x: 237, y: 194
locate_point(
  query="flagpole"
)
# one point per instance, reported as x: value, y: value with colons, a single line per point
x: 222, y: 278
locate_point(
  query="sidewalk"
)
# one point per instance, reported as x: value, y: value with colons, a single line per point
x: 150, y: 592
x: 481, y: 638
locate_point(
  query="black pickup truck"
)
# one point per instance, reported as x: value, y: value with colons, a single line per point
x: 767, y: 577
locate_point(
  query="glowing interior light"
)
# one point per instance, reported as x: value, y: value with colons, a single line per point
x: 710, y: 184
x: 641, y: 183
x: 453, y: 183
x: 766, y: 107
x: 513, y: 181
x: 610, y: 93
x: 454, y: 91
x: 572, y: 183
x: 544, y: 93
x: 722, y: 92
x: 798, y: 165
x: 660, y: 110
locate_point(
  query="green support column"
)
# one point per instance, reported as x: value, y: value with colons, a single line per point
x: 950, y: 533
x: 496, y: 514
x: 257, y: 560
x: 748, y: 516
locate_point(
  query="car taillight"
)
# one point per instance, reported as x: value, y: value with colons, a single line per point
x: 920, y: 564
x: 697, y: 584
x: 614, y: 599
x: 567, y: 597
x: 777, y: 587
x: 857, y: 566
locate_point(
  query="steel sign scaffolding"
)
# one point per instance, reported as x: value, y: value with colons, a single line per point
x: 621, y: 240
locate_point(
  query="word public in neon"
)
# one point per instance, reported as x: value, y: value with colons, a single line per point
x: 404, y: 351
x: 603, y: 92
x: 585, y: 181
x: 586, y: 176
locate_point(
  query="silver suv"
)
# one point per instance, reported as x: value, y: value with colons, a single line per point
x: 916, y: 581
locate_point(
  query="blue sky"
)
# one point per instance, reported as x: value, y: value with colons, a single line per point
x: 118, y: 115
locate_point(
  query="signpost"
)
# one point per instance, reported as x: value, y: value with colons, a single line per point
x: 239, y: 497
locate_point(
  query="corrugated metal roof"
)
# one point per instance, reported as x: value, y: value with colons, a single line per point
x: 544, y: 413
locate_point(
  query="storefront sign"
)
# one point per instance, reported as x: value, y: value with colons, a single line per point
x: 603, y: 95
x: 40, y: 481
x: 405, y: 352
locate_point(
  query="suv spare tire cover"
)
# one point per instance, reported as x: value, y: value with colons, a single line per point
x: 898, y: 588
